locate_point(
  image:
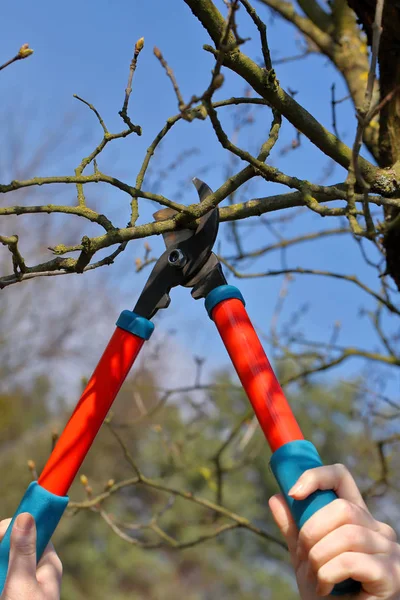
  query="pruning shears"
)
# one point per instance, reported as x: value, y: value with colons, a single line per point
x: 190, y: 262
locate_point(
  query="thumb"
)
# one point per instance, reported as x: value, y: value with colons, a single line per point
x: 285, y: 522
x: 21, y: 577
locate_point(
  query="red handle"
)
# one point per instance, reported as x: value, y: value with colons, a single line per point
x: 255, y: 372
x: 90, y: 412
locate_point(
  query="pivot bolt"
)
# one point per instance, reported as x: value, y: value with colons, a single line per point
x: 177, y: 259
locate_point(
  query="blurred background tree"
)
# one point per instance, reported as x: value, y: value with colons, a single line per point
x: 172, y: 500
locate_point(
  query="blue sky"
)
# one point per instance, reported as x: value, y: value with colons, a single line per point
x: 85, y: 48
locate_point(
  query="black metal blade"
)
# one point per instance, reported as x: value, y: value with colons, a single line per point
x: 172, y: 238
x: 202, y: 189
x: 198, y: 266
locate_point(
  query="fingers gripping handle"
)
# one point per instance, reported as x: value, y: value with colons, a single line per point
x: 292, y: 455
x: 47, y: 510
x: 287, y: 464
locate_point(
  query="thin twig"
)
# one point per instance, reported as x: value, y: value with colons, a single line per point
x: 333, y: 106
x: 350, y: 278
x: 288, y: 59
x: 124, y: 111
x: 23, y: 52
x: 262, y: 28
x: 103, y: 125
x: 18, y: 261
x: 286, y: 242
x: 171, y: 76
x: 223, y: 46
x: 162, y: 487
x: 124, y: 447
x: 196, y: 112
x: 377, y: 109
x: 364, y: 118
x: 167, y: 540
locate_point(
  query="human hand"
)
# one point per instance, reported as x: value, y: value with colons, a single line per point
x: 26, y: 580
x: 342, y: 540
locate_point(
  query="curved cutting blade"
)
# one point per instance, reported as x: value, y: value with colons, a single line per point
x: 202, y: 189
x: 196, y: 246
x: 172, y: 238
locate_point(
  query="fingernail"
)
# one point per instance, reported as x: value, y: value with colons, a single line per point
x: 24, y: 522
x: 298, y: 487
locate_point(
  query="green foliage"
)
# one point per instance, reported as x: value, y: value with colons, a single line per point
x: 177, y: 446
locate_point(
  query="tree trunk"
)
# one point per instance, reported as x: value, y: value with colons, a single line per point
x: 389, y: 132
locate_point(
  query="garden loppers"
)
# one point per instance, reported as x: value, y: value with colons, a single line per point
x: 190, y: 262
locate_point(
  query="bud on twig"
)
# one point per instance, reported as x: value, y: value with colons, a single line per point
x: 85, y: 482
x: 109, y: 484
x: 139, y: 45
x: 157, y: 52
x: 32, y: 468
x: 218, y: 81
x: 25, y: 51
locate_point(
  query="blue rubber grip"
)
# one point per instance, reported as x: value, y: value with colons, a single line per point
x: 287, y: 464
x: 220, y: 293
x: 47, y: 510
x: 135, y: 324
